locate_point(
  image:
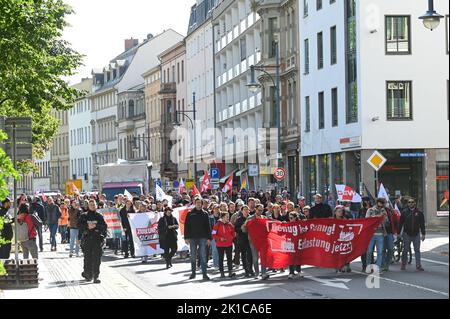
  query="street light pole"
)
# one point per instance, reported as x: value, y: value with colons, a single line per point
x: 195, y: 139
x: 254, y: 86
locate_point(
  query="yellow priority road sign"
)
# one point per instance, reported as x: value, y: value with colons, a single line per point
x: 377, y: 161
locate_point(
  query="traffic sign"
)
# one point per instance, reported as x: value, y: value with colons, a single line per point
x: 24, y: 152
x: 377, y: 160
x: 214, y: 173
x: 18, y: 121
x: 176, y: 184
x: 280, y: 174
x: 253, y: 170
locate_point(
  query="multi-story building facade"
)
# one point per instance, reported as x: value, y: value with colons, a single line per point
x: 237, y: 46
x: 279, y: 31
x: 152, y: 80
x: 133, y: 128
x: 80, y: 136
x: 200, y: 80
x: 41, y: 180
x: 362, y: 89
x: 173, y: 97
x: 59, y: 163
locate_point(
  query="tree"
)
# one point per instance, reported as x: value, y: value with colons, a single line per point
x: 33, y: 61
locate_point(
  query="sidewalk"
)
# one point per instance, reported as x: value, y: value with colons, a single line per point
x: 61, y: 279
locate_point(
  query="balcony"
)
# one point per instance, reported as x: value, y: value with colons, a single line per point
x: 168, y: 88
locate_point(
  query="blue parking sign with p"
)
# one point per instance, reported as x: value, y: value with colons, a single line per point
x: 214, y: 173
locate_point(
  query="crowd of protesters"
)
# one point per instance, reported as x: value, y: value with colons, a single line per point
x: 215, y: 227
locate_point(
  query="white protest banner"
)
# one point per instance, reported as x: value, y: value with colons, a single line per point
x: 144, y: 227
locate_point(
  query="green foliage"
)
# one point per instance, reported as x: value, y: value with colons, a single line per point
x: 34, y: 59
x: 6, y: 170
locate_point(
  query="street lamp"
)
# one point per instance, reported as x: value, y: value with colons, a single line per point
x: 431, y: 19
x: 254, y: 86
x: 176, y: 123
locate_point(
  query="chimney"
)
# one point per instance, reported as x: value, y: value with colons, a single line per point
x: 130, y: 43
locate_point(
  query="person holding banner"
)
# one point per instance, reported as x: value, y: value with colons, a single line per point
x: 168, y: 235
x: 320, y: 210
x: 340, y: 213
x: 378, y: 238
x: 197, y: 234
x: 128, y: 240
x: 243, y: 242
x: 294, y: 217
x: 224, y: 234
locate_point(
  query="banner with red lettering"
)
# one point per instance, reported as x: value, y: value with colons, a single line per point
x: 144, y: 227
x: 325, y: 243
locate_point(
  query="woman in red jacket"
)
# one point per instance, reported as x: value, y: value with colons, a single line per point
x: 224, y: 234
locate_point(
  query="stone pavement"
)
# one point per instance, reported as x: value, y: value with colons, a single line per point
x: 131, y: 279
x: 61, y: 279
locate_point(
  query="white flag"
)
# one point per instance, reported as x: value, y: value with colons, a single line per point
x: 383, y: 194
x: 347, y: 194
x: 159, y: 193
x: 128, y: 195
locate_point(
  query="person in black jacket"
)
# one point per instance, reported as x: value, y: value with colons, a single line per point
x: 93, y: 231
x: 38, y: 208
x: 128, y: 244
x: 198, y: 235
x: 7, y: 232
x: 412, y: 222
x: 244, y: 243
x: 168, y: 236
x: 320, y: 209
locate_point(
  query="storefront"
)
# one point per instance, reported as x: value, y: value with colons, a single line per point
x: 442, y: 183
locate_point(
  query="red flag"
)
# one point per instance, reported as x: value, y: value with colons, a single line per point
x: 44, y: 198
x: 195, y: 192
x: 206, y: 184
x: 324, y: 243
x: 228, y: 185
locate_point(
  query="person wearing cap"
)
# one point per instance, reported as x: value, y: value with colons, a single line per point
x: 168, y: 236
x: 378, y: 238
x: 320, y: 209
x: 7, y: 231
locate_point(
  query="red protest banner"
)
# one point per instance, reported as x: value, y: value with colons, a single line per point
x: 326, y: 243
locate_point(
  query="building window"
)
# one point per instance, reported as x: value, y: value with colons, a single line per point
x: 306, y: 56
x: 305, y: 8
x: 319, y: 5
x: 351, y: 63
x: 398, y: 35
x: 442, y: 184
x: 178, y: 73
x: 399, y: 102
x: 182, y: 71
x: 334, y: 107
x: 320, y: 50
x: 333, y: 45
x: 307, y: 114
x: 321, y: 111
x: 243, y: 45
x: 273, y: 26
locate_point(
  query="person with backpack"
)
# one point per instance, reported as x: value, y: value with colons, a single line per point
x: 38, y: 208
x: 7, y: 232
x: 26, y: 231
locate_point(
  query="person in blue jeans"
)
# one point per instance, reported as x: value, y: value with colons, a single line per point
x: 53, y: 215
x: 198, y: 235
x: 378, y: 238
x: 213, y: 219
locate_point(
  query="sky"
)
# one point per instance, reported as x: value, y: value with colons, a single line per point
x: 98, y: 28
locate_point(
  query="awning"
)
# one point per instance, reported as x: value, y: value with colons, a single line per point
x: 225, y: 179
x: 242, y: 172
